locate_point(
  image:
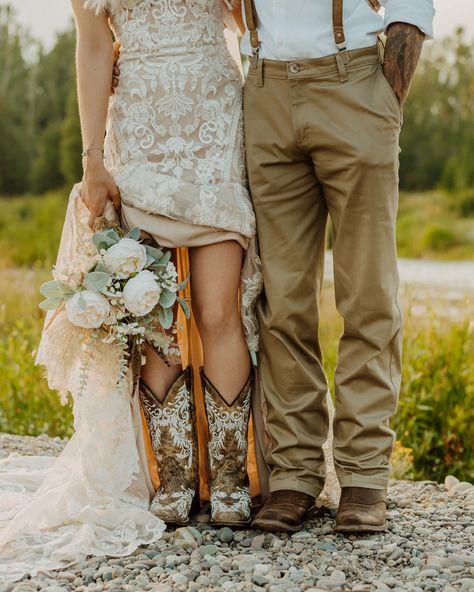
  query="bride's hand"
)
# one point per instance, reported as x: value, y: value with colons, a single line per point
x: 97, y: 187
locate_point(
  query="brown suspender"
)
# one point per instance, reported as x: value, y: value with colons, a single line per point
x: 251, y: 19
x: 337, y: 22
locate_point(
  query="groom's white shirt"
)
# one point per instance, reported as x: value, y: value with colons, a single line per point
x: 302, y: 29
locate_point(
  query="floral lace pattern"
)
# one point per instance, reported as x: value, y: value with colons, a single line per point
x: 175, y: 420
x: 175, y: 142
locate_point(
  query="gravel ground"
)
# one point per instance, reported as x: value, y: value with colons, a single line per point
x: 429, y: 547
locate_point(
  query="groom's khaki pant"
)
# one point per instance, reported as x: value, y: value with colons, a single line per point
x: 319, y: 146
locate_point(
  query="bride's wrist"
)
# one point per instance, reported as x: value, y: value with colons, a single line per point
x: 92, y: 161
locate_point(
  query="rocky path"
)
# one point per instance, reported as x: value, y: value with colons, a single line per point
x: 429, y: 547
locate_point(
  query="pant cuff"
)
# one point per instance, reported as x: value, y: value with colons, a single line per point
x: 313, y: 489
x: 364, y: 481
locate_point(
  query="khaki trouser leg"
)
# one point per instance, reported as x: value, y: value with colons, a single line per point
x: 291, y: 219
x: 350, y: 131
x: 356, y: 160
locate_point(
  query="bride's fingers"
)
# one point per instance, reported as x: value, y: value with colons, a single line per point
x: 114, y: 196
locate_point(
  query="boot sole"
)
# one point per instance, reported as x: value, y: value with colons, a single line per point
x: 221, y: 524
x: 362, y: 528
x: 275, y: 526
x: 278, y: 526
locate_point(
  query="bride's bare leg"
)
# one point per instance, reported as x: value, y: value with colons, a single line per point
x: 157, y: 376
x: 215, y: 282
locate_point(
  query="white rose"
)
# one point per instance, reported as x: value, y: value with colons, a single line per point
x: 141, y: 293
x: 87, y: 309
x: 125, y: 257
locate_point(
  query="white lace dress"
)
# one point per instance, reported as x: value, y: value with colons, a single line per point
x: 174, y: 146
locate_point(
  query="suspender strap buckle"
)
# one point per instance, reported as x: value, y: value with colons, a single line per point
x: 251, y: 19
x: 339, y: 37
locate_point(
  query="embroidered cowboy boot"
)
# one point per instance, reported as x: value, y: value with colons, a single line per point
x: 172, y: 424
x: 227, y: 454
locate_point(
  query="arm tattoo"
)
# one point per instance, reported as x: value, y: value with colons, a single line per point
x: 402, y: 53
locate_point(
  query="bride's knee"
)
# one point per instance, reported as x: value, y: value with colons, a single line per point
x: 217, y: 320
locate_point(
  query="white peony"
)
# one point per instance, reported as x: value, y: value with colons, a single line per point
x: 87, y: 309
x: 125, y: 257
x: 141, y: 293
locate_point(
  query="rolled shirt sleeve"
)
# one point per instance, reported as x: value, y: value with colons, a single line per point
x: 414, y: 12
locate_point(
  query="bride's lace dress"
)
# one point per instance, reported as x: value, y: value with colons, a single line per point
x: 175, y: 148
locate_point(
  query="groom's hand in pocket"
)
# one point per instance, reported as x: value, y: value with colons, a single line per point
x: 98, y: 187
x: 402, y: 53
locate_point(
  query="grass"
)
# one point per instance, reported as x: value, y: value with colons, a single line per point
x: 27, y: 406
x: 431, y: 227
x: 30, y: 228
x: 435, y: 413
x: 436, y: 409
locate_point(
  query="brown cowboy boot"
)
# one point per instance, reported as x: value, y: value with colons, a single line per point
x: 227, y: 454
x: 172, y: 425
x: 285, y: 511
x: 362, y: 510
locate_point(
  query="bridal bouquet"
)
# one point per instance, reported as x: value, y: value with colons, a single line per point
x: 119, y: 291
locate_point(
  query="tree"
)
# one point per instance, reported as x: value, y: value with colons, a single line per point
x: 71, y: 141
x: 46, y: 173
x: 438, y: 134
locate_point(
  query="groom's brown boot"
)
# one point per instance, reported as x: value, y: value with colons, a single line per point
x: 285, y: 511
x: 362, y: 510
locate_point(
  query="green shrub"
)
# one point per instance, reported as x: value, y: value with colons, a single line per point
x: 436, y: 410
x: 30, y: 229
x: 27, y: 406
x: 438, y: 238
x: 463, y: 202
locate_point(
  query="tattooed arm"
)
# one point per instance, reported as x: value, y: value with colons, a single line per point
x: 402, y: 53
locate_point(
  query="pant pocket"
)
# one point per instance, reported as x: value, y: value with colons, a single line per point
x: 395, y: 103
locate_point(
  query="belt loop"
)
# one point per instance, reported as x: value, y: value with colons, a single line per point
x: 342, y: 59
x: 381, y: 48
x: 260, y: 72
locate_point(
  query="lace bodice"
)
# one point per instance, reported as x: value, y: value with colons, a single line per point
x: 168, y: 26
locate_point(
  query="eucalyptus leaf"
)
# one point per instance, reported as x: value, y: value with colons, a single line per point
x: 103, y: 239
x: 181, y: 285
x: 165, y: 259
x: 96, y: 280
x: 112, y: 234
x: 133, y: 233
x: 54, y: 288
x: 185, y: 306
x: 149, y: 261
x: 167, y: 299
x: 81, y: 302
x: 165, y: 316
x: 157, y: 254
x: 51, y: 303
x: 100, y: 267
